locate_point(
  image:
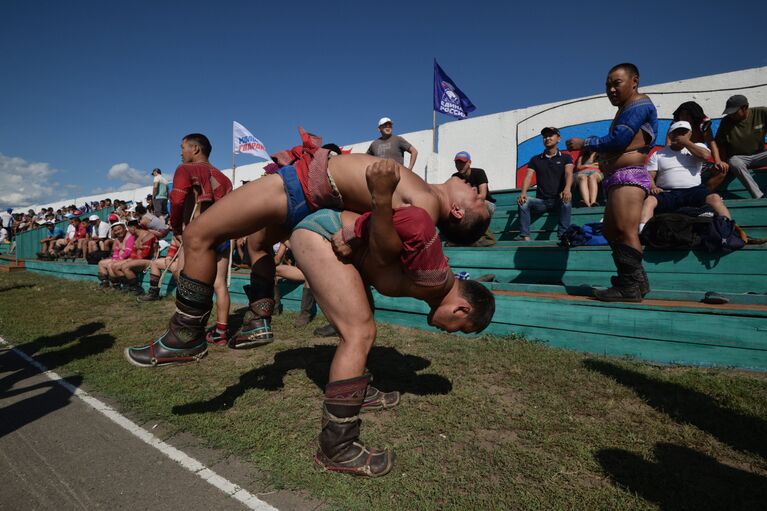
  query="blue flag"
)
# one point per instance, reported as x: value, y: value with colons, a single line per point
x: 448, y: 98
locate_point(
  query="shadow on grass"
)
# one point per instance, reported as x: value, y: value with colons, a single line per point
x: 686, y: 406
x: 391, y: 369
x: 16, y: 412
x: 682, y: 479
x: 16, y: 286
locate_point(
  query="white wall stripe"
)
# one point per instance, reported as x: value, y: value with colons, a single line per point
x: 180, y: 457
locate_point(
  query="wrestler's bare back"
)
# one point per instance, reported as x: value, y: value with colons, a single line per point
x: 348, y: 173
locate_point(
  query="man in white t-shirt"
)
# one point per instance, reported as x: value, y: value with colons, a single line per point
x: 159, y: 193
x: 675, y: 174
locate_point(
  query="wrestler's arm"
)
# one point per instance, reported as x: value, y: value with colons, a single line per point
x: 181, y: 186
x: 626, y: 127
x: 384, y: 243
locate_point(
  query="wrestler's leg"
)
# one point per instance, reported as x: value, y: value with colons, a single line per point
x: 621, y: 228
x: 256, y: 326
x: 340, y: 448
x: 245, y: 210
x: 218, y: 334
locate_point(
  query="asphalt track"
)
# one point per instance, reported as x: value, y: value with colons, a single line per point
x: 62, y: 449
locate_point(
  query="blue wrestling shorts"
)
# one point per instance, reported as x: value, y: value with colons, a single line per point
x: 325, y: 222
x: 223, y: 249
x: 298, y: 209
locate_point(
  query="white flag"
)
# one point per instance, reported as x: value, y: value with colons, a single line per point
x: 246, y: 143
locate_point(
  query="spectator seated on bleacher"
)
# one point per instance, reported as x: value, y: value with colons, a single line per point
x: 151, y: 222
x: 675, y: 172
x: 588, y: 176
x: 477, y: 179
x: 142, y: 253
x: 122, y: 248
x: 740, y: 138
x: 74, y: 246
x: 173, y: 261
x: 554, y: 174
x: 98, y: 244
x: 49, y: 242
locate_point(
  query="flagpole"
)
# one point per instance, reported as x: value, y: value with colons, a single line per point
x: 231, y: 242
x: 434, y: 132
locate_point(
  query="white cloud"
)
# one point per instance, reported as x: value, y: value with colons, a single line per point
x: 134, y: 177
x: 23, y: 182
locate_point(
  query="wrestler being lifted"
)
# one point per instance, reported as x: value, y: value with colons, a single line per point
x: 623, y: 152
x: 398, y: 252
x: 272, y: 206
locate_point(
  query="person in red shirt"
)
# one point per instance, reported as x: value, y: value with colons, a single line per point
x: 397, y: 250
x: 141, y: 256
x: 197, y: 185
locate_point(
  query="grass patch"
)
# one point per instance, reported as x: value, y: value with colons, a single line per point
x: 485, y: 423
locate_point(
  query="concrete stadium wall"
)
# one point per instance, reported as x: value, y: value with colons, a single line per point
x: 502, y: 143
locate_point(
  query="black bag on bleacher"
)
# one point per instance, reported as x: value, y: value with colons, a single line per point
x: 674, y: 230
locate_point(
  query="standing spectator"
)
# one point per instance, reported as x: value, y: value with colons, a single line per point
x: 740, y: 138
x: 477, y: 178
x: 554, y: 173
x: 159, y: 193
x: 5, y: 218
x: 392, y: 147
x: 675, y: 173
x: 588, y: 176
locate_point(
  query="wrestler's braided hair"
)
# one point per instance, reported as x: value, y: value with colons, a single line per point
x: 482, y: 303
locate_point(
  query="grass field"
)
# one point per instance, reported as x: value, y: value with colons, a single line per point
x: 484, y: 423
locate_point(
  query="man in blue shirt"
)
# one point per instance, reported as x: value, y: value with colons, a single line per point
x: 49, y: 242
x: 554, y: 177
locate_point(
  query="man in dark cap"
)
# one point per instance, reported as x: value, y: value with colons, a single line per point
x: 740, y: 139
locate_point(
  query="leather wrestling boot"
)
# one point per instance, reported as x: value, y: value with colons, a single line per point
x: 340, y: 448
x: 308, y: 309
x: 256, y: 326
x: 627, y: 286
x: 644, y: 283
x: 378, y: 400
x: 325, y: 331
x: 152, y: 295
x: 116, y: 283
x: 184, y: 341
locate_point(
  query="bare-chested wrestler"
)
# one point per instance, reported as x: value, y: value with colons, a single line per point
x: 623, y: 153
x: 398, y: 252
x: 271, y: 207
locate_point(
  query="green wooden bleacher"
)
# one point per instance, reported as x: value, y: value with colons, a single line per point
x: 543, y: 292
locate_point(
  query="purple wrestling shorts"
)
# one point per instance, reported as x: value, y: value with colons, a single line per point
x: 628, y: 176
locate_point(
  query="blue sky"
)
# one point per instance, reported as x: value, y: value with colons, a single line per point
x: 92, y: 86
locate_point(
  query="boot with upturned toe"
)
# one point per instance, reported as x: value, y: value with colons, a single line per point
x: 340, y: 448
x: 184, y: 341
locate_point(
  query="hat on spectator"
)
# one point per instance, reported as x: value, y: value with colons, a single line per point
x: 113, y: 218
x: 550, y: 129
x: 93, y: 218
x: 462, y: 156
x: 116, y: 224
x: 163, y: 245
x: 78, y: 212
x: 734, y: 103
x: 680, y: 125
x: 383, y: 120
x: 68, y: 215
x: 9, y: 210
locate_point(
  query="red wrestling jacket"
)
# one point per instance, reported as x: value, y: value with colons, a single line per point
x: 210, y: 183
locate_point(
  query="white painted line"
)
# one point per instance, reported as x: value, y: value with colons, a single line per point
x: 180, y: 457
